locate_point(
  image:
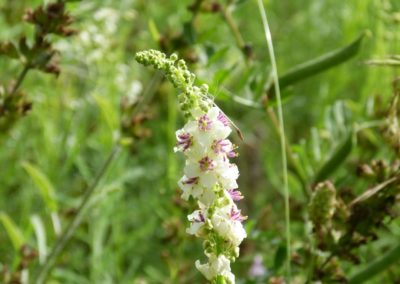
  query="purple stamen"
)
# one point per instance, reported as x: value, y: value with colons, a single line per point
x: 206, y: 164
x: 224, y: 146
x: 232, y: 154
x: 191, y: 181
x: 200, y: 218
x: 221, y: 117
x: 221, y: 146
x: 236, y: 195
x: 185, y: 140
x: 237, y: 216
x: 204, y: 123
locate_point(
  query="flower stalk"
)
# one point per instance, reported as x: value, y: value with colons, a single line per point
x: 209, y: 176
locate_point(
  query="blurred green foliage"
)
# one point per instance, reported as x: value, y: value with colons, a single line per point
x: 134, y: 231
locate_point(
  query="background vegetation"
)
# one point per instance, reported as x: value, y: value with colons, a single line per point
x: 133, y: 229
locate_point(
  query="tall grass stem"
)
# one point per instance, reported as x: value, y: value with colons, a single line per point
x: 69, y: 231
x: 282, y: 134
x: 20, y: 79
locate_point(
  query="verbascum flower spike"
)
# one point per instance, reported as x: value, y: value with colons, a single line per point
x: 209, y: 176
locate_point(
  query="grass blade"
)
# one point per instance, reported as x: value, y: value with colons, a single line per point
x: 281, y: 136
x: 40, y: 233
x: 337, y: 159
x: 377, y: 266
x: 319, y: 65
x: 43, y: 184
x: 15, y: 234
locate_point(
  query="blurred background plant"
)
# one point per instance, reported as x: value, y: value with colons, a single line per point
x: 338, y: 66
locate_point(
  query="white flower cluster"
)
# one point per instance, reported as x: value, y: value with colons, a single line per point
x: 95, y: 42
x: 210, y: 178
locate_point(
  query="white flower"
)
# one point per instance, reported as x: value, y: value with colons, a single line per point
x: 202, y: 169
x: 185, y: 140
x: 228, y: 174
x: 216, y: 266
x: 226, y: 222
x: 210, y: 171
x: 192, y: 187
x: 224, y: 147
x: 207, y: 127
x: 197, y: 219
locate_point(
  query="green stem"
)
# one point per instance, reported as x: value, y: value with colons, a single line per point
x: 291, y: 159
x: 383, y: 62
x: 149, y: 92
x: 20, y: 79
x: 226, y: 14
x: 220, y: 280
x: 327, y: 261
x: 171, y: 126
x: 195, y: 8
x: 282, y: 133
x: 74, y: 224
x: 377, y: 266
x: 232, y: 25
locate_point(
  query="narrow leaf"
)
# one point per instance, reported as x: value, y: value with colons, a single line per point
x: 44, y: 186
x: 108, y: 112
x: 14, y: 233
x: 280, y: 256
x: 319, y: 65
x: 336, y: 160
x: 189, y: 33
x: 9, y: 49
x: 40, y: 233
x: 376, y: 266
x: 153, y: 30
x: 383, y: 62
x: 215, y: 56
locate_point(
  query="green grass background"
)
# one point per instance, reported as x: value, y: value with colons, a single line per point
x: 135, y: 229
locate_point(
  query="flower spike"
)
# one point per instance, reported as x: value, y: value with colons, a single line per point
x: 209, y: 176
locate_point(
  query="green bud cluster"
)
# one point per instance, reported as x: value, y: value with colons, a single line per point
x: 322, y: 204
x: 191, y: 96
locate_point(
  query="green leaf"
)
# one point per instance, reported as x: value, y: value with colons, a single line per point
x: 336, y: 160
x: 14, y: 233
x: 220, y: 279
x: 9, y: 49
x: 153, y: 30
x: 215, y: 56
x: 220, y: 76
x: 189, y: 33
x: 376, y: 266
x: 43, y: 184
x: 319, y: 65
x: 69, y: 276
x: 280, y: 257
x: 40, y: 233
x: 108, y: 112
x: 24, y: 48
x: 239, y: 2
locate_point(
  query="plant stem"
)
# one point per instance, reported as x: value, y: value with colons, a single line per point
x: 326, y: 261
x: 291, y: 159
x: 282, y: 134
x: 195, y: 8
x: 376, y: 266
x: 20, y: 79
x: 226, y: 14
x: 74, y: 224
x: 149, y: 92
x: 232, y: 25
